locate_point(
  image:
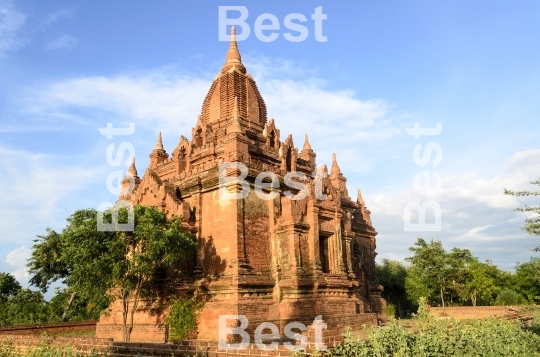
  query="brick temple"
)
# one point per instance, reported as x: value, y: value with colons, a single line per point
x: 275, y: 260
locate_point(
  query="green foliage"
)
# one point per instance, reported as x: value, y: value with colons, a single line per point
x: 435, y: 273
x: 47, y: 264
x: 532, y: 223
x: 101, y: 266
x: 457, y: 277
x: 423, y: 310
x: 82, y: 308
x: 485, y: 337
x: 25, y: 307
x: 8, y: 286
x: 29, y: 307
x: 527, y: 280
x: 182, y: 318
x: 480, y: 282
x: 509, y: 297
x: 390, y: 310
x: 392, y: 275
x: 425, y: 276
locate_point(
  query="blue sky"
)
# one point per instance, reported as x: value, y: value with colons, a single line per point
x: 69, y: 67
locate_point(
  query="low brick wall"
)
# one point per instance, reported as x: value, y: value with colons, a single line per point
x: 331, y: 338
x: 473, y: 312
x: 126, y: 349
x: 50, y: 329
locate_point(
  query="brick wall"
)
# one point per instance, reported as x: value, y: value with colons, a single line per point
x: 51, y: 329
x: 332, y: 336
x: 472, y: 312
x: 186, y: 348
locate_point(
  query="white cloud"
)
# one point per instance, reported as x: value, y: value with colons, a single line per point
x: 18, y: 259
x: 475, y: 213
x: 62, y: 42
x: 163, y: 100
x: 11, y: 23
x: 31, y: 187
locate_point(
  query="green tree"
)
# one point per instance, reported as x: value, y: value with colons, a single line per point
x: 532, y: 223
x: 435, y: 273
x: 122, y: 265
x: 25, y: 307
x: 8, y: 286
x: 428, y: 273
x: 47, y: 265
x: 527, y: 280
x: 81, y: 308
x: 481, y: 282
x: 392, y: 275
x: 457, y: 272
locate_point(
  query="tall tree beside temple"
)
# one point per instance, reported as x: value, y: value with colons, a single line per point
x: 121, y: 265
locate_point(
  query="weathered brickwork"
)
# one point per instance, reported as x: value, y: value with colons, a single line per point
x: 473, y: 312
x: 276, y: 260
x: 50, y: 328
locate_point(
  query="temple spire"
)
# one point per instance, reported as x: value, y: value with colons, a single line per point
x: 235, y: 127
x: 233, y: 56
x: 307, y: 146
x: 159, y: 144
x: 158, y: 155
x: 335, y: 171
x: 132, y: 169
x: 359, y: 198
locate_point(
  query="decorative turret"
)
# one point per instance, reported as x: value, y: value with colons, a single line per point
x: 336, y: 177
x: 359, y: 198
x: 308, y: 154
x: 158, y: 155
x: 335, y: 171
x: 366, y: 214
x: 307, y: 146
x: 130, y: 181
x: 132, y: 171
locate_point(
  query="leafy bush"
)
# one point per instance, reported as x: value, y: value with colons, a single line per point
x: 509, y: 297
x: 390, y: 310
x: 25, y: 307
x: 182, y: 318
x: 446, y: 337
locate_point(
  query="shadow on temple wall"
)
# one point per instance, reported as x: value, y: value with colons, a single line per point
x: 213, y: 264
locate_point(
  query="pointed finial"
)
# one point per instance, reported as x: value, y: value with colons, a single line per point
x: 335, y: 171
x: 132, y: 169
x: 233, y: 55
x: 359, y: 198
x: 306, y: 144
x: 159, y: 144
x: 235, y: 127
